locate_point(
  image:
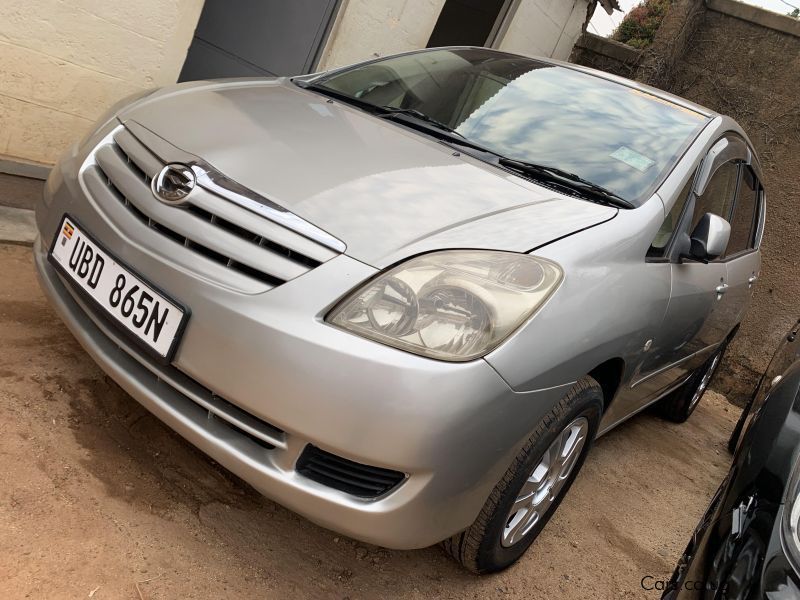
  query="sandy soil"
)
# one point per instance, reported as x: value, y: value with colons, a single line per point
x: 99, y: 499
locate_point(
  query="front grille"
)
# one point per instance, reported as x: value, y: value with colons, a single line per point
x: 345, y: 475
x: 207, y: 224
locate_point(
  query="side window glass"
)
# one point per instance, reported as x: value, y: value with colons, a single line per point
x: 718, y: 197
x: 744, y: 215
x: 667, y: 228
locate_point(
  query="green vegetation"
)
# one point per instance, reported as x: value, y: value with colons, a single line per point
x: 639, y: 27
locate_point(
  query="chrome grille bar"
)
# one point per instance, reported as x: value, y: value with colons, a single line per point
x: 214, y: 181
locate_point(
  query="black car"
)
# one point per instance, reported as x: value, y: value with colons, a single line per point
x: 747, y: 545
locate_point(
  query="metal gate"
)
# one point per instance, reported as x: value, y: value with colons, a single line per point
x: 243, y: 38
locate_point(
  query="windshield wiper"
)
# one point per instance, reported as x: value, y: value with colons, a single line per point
x: 447, y: 134
x: 389, y: 111
x: 563, y: 177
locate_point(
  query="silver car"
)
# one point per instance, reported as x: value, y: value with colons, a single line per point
x: 402, y: 298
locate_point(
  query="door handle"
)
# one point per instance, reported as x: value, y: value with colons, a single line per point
x: 722, y: 288
x: 751, y: 280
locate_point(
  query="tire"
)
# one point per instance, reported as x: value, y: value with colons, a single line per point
x: 679, y: 405
x: 498, y: 537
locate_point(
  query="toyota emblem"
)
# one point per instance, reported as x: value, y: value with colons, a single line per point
x: 174, y: 183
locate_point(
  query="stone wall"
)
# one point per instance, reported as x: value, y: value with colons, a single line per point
x: 64, y: 63
x: 606, y: 55
x: 744, y: 62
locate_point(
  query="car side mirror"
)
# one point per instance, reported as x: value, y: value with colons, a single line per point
x: 709, y: 238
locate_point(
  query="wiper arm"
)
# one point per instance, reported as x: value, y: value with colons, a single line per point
x: 431, y: 126
x: 346, y: 98
x: 565, y: 178
x: 389, y: 111
x: 448, y: 134
x: 417, y: 114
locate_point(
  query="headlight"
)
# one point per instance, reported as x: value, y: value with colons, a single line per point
x: 452, y: 305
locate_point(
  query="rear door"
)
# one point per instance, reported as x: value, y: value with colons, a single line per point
x: 742, y: 257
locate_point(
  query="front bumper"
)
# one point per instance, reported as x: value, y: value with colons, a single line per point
x: 453, y: 429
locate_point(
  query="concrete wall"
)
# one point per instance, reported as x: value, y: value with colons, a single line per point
x: 745, y: 62
x: 63, y: 63
x: 370, y: 28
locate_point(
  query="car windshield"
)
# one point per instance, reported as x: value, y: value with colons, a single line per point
x: 610, y: 134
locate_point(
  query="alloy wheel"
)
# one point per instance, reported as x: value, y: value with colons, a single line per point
x: 545, y: 481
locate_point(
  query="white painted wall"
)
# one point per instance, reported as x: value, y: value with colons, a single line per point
x: 63, y: 63
x: 545, y: 27
x: 366, y: 29
x: 370, y: 28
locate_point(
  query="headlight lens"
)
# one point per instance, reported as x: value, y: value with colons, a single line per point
x: 452, y: 305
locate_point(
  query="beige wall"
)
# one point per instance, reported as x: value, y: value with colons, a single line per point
x: 63, y: 63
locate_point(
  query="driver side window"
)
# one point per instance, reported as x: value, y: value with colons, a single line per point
x: 719, y: 194
x: 717, y: 198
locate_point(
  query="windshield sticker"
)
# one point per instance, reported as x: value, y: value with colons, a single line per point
x: 632, y: 158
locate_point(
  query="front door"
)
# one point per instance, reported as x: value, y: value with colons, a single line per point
x: 698, y: 316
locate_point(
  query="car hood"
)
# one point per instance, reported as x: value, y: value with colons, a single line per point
x: 387, y: 192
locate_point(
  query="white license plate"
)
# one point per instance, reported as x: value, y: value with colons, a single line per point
x: 154, y: 320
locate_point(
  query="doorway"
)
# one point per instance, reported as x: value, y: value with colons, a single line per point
x: 469, y: 23
x: 266, y: 38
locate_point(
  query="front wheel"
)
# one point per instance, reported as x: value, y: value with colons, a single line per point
x: 530, y: 491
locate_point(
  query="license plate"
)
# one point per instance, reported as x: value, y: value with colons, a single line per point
x: 154, y: 320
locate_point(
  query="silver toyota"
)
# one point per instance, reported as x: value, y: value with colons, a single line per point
x: 402, y: 298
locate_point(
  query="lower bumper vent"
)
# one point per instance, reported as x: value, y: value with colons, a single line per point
x: 345, y: 475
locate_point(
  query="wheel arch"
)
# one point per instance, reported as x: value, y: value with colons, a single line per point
x: 609, y: 375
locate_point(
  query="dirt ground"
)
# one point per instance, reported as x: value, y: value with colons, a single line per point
x: 99, y: 500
